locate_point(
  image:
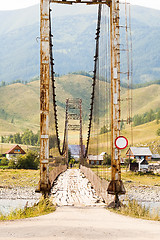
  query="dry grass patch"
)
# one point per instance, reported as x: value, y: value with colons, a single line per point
x: 134, y: 209
x: 148, y: 179
x: 19, y: 177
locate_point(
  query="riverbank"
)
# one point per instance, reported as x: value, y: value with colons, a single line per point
x: 148, y: 196
x: 143, y: 193
x: 17, y: 188
x: 16, y: 198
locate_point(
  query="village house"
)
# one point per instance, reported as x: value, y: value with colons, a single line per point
x: 139, y: 153
x: 142, y: 155
x: 14, y: 152
x: 96, y: 159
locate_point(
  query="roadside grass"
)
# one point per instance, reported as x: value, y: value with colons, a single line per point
x: 149, y: 179
x: 44, y: 206
x: 134, y: 209
x: 18, y: 178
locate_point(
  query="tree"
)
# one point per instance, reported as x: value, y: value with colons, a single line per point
x: 137, y: 120
x: 12, y: 120
x: 4, y: 162
x: 69, y: 155
x: 122, y: 124
x: 107, y: 159
x: 28, y: 137
x: 104, y: 129
x: 10, y: 138
x: 28, y: 161
x: 12, y: 164
x: 2, y: 139
x: 158, y: 132
x: 17, y: 138
x: 158, y: 115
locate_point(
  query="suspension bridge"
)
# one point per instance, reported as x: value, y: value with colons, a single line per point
x: 105, y: 103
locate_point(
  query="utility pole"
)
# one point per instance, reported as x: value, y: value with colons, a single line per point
x: 116, y: 186
x: 81, y: 138
x: 67, y: 100
x: 44, y: 184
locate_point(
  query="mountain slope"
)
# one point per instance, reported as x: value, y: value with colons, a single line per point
x: 74, y: 44
x: 20, y: 103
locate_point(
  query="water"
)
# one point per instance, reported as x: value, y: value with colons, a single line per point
x: 8, y: 205
x: 153, y: 206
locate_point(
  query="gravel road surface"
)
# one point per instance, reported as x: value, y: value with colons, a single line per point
x: 73, y: 223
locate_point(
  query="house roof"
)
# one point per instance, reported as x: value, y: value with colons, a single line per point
x: 156, y: 156
x: 95, y: 157
x: 75, y: 149
x: 14, y: 148
x: 103, y: 153
x: 141, y: 151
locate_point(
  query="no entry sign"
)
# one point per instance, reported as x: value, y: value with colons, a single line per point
x: 121, y: 142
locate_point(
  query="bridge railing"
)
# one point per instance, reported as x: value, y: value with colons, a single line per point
x: 99, y: 185
x: 55, y: 172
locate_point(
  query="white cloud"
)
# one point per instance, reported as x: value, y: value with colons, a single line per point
x: 147, y: 3
x: 16, y: 4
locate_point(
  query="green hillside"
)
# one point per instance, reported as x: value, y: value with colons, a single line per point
x: 20, y: 103
x: 73, y: 30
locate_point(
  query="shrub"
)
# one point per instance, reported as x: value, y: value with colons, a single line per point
x: 4, y: 162
x: 12, y: 164
x: 107, y: 160
x: 28, y: 161
x: 104, y: 129
x: 158, y: 132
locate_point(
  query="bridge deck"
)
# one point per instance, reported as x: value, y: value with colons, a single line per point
x: 73, y: 189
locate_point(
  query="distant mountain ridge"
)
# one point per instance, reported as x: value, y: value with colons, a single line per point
x: 74, y: 43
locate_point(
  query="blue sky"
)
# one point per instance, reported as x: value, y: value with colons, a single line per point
x: 17, y: 4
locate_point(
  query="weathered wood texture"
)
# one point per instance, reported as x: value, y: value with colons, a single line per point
x: 99, y: 185
x: 56, y: 172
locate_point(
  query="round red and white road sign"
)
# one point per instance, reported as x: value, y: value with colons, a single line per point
x: 121, y: 142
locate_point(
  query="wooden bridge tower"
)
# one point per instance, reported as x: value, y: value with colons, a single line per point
x: 116, y: 185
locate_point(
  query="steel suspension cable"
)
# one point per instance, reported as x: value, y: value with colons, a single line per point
x: 92, y: 94
x: 131, y: 63
x: 61, y: 152
x: 94, y: 77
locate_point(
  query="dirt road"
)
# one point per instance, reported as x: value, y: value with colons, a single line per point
x: 72, y: 223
